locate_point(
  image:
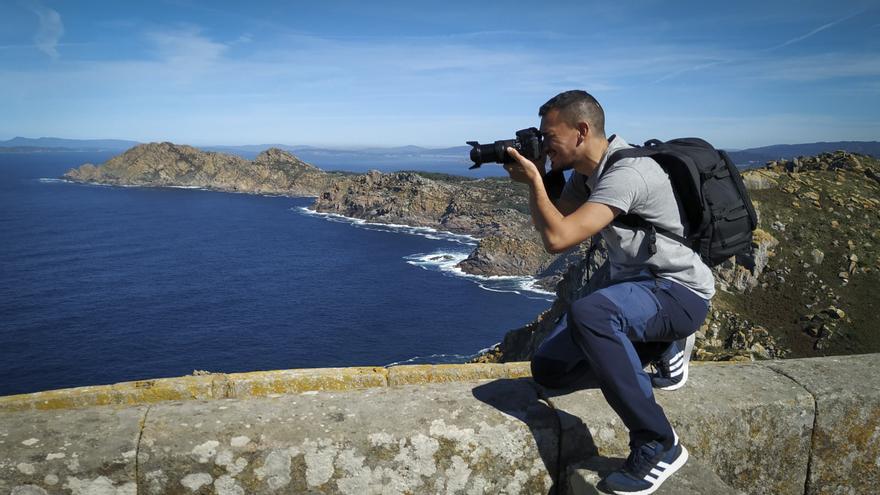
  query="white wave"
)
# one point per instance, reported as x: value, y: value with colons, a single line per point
x: 447, y: 262
x: 435, y: 359
x: 427, y: 232
x: 49, y: 180
x: 483, y: 351
x: 444, y: 358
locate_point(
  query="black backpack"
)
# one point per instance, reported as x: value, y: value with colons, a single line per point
x: 710, y: 191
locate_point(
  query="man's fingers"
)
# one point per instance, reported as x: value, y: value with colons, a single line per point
x: 519, y: 158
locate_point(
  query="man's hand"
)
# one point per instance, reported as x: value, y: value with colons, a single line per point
x: 522, y: 169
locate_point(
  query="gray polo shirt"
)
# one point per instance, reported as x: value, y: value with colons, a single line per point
x: 640, y: 186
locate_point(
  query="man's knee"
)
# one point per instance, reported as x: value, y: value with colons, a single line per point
x: 546, y: 372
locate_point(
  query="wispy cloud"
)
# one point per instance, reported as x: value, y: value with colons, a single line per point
x: 814, y: 32
x: 745, y: 58
x: 50, y: 30
x: 693, y: 68
x: 185, y: 46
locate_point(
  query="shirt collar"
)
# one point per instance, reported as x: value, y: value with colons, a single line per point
x: 615, y: 143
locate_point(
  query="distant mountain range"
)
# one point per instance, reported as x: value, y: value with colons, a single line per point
x: 757, y: 156
x: 21, y: 144
x: 410, y: 156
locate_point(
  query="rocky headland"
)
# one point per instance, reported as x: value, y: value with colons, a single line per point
x: 806, y: 289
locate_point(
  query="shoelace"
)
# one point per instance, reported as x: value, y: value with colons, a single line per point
x: 639, y: 462
x: 661, y: 367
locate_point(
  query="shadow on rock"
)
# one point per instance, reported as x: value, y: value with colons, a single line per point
x: 524, y: 400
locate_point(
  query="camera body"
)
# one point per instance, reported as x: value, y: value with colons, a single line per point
x: 528, y: 143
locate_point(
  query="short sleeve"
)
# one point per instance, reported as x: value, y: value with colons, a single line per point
x: 621, y: 187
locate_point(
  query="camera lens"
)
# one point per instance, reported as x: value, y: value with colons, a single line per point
x: 482, y: 153
x: 495, y: 152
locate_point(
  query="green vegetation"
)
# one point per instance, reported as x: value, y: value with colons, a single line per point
x: 817, y: 294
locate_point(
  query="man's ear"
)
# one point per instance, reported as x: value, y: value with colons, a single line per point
x: 583, y: 129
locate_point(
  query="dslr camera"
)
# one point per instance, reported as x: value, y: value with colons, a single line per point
x: 528, y: 143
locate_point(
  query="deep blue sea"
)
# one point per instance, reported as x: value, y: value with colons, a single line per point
x: 105, y: 284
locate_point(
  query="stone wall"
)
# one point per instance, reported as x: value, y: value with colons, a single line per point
x: 776, y: 427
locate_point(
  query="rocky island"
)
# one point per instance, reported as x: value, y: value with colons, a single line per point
x: 806, y: 289
x: 273, y: 171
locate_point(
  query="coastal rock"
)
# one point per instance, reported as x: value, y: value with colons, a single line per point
x: 760, y: 179
x: 399, y: 198
x: 743, y: 272
x: 506, y: 255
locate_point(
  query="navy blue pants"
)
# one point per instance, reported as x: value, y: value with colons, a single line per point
x: 608, y: 337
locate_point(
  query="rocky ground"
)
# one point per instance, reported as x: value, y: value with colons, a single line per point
x: 806, y: 289
x: 818, y: 291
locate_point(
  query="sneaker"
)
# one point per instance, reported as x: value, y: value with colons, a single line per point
x: 672, y: 367
x: 646, y: 468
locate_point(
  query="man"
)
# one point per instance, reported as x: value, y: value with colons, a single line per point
x: 651, y: 301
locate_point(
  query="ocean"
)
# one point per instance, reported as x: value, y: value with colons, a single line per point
x: 104, y: 284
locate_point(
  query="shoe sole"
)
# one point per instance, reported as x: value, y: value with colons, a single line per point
x: 688, y: 349
x: 675, y: 466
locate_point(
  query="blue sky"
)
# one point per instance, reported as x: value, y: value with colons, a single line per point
x: 338, y: 73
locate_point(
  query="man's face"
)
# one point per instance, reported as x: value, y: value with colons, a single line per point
x: 560, y: 141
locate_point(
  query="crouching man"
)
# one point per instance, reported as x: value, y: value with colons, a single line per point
x: 658, y: 290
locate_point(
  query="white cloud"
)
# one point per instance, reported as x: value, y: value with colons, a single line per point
x: 185, y: 49
x: 50, y: 30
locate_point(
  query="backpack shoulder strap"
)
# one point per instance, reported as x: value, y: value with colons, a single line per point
x: 632, y: 220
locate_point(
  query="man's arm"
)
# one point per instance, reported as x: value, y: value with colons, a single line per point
x: 558, y: 231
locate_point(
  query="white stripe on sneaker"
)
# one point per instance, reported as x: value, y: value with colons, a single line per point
x: 676, y: 366
x: 655, y: 484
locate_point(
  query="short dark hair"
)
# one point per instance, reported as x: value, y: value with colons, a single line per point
x: 575, y: 106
